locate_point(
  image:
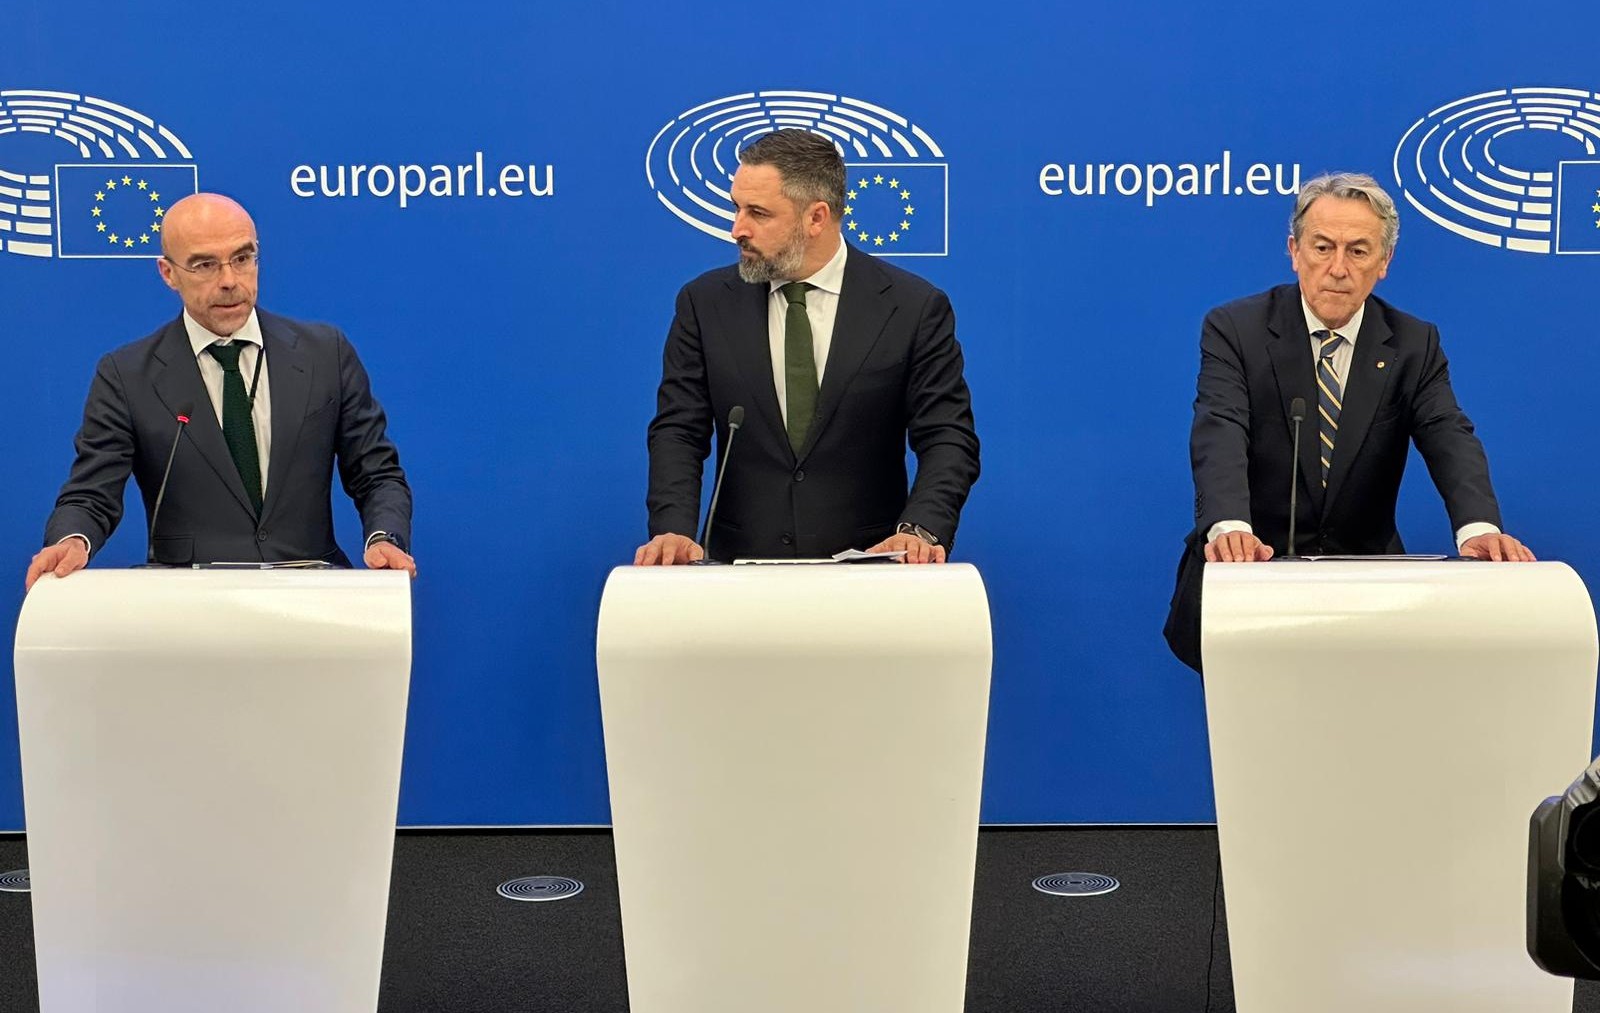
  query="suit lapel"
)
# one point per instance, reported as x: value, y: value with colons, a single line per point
x: 1363, y: 392
x: 1290, y: 351
x: 752, y: 349
x: 178, y: 384
x: 857, y: 323
x: 290, y: 379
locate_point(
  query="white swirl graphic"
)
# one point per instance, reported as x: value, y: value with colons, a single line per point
x: 691, y: 160
x: 99, y: 132
x: 1455, y: 166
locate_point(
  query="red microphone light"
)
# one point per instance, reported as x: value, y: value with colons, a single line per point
x: 183, y: 419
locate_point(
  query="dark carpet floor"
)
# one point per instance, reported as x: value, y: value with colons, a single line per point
x: 1156, y: 944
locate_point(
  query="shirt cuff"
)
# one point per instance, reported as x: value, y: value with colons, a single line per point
x: 1226, y: 527
x: 87, y: 545
x: 1473, y: 530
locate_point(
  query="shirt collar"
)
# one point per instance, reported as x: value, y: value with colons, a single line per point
x: 829, y: 277
x: 200, y: 338
x: 1348, y: 332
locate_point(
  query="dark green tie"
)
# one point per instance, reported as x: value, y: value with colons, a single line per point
x: 799, y: 365
x: 238, y: 428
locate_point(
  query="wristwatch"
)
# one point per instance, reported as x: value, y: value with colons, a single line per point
x: 908, y: 528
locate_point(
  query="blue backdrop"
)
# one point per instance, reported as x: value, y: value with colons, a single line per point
x: 515, y: 339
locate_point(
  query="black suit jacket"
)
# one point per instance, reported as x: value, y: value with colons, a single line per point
x: 1255, y: 359
x: 322, y: 411
x: 893, y: 375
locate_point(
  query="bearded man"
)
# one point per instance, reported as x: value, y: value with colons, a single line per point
x: 839, y: 360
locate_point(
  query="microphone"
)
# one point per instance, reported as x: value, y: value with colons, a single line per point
x: 161, y: 492
x: 1297, y: 414
x: 735, y: 420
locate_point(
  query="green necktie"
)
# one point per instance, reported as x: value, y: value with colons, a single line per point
x: 238, y: 428
x: 799, y: 365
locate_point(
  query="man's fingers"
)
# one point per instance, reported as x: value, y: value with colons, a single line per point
x: 36, y: 570
x: 668, y: 550
x: 939, y: 554
x: 61, y: 559
x: 1237, y: 547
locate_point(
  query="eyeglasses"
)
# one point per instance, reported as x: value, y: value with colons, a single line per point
x: 206, y: 270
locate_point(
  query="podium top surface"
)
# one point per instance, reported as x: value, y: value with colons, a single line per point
x: 1391, y: 608
x: 1379, y: 584
x: 850, y: 606
x: 152, y: 609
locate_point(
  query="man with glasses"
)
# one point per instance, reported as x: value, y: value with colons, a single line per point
x: 261, y: 408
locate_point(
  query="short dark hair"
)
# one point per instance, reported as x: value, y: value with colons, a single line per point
x: 809, y: 164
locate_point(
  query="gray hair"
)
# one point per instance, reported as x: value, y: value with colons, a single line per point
x: 810, y: 166
x: 1348, y: 186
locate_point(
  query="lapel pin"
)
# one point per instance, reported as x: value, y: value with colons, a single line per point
x: 1381, y: 364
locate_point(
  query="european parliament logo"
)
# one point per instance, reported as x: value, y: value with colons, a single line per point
x: 898, y: 189
x: 108, y: 198
x: 1516, y: 169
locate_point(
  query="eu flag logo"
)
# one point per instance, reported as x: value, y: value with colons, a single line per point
x: 114, y: 209
x: 1578, y: 216
x: 898, y: 209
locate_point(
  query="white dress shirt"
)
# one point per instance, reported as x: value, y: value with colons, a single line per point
x: 822, y: 306
x: 1342, y: 357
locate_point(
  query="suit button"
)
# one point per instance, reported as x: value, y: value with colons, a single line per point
x: 787, y: 538
x: 261, y: 535
x: 799, y: 476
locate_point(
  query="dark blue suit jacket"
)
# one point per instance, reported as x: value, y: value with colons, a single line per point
x: 893, y: 377
x: 322, y: 411
x: 1255, y: 359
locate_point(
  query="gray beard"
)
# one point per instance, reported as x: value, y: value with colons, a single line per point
x: 781, y: 266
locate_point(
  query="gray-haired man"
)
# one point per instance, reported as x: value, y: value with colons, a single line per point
x: 1373, y: 379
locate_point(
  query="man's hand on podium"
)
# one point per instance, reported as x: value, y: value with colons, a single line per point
x: 67, y: 555
x: 1499, y: 548
x: 916, y: 550
x: 388, y: 556
x: 1237, y: 547
x: 668, y: 550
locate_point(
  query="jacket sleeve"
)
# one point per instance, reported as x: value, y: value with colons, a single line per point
x: 679, y: 436
x: 939, y: 427
x: 90, y: 503
x: 1219, y: 440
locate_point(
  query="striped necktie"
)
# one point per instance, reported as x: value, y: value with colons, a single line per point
x: 1330, y: 398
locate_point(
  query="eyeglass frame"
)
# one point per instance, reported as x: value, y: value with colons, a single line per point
x: 248, y: 260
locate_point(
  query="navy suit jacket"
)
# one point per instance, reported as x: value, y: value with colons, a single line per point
x: 893, y: 376
x: 322, y: 411
x: 1255, y: 359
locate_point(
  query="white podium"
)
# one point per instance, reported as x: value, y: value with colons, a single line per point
x: 1381, y: 732
x: 795, y: 756
x: 211, y: 767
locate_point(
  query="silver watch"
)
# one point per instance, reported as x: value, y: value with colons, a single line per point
x: 908, y: 528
